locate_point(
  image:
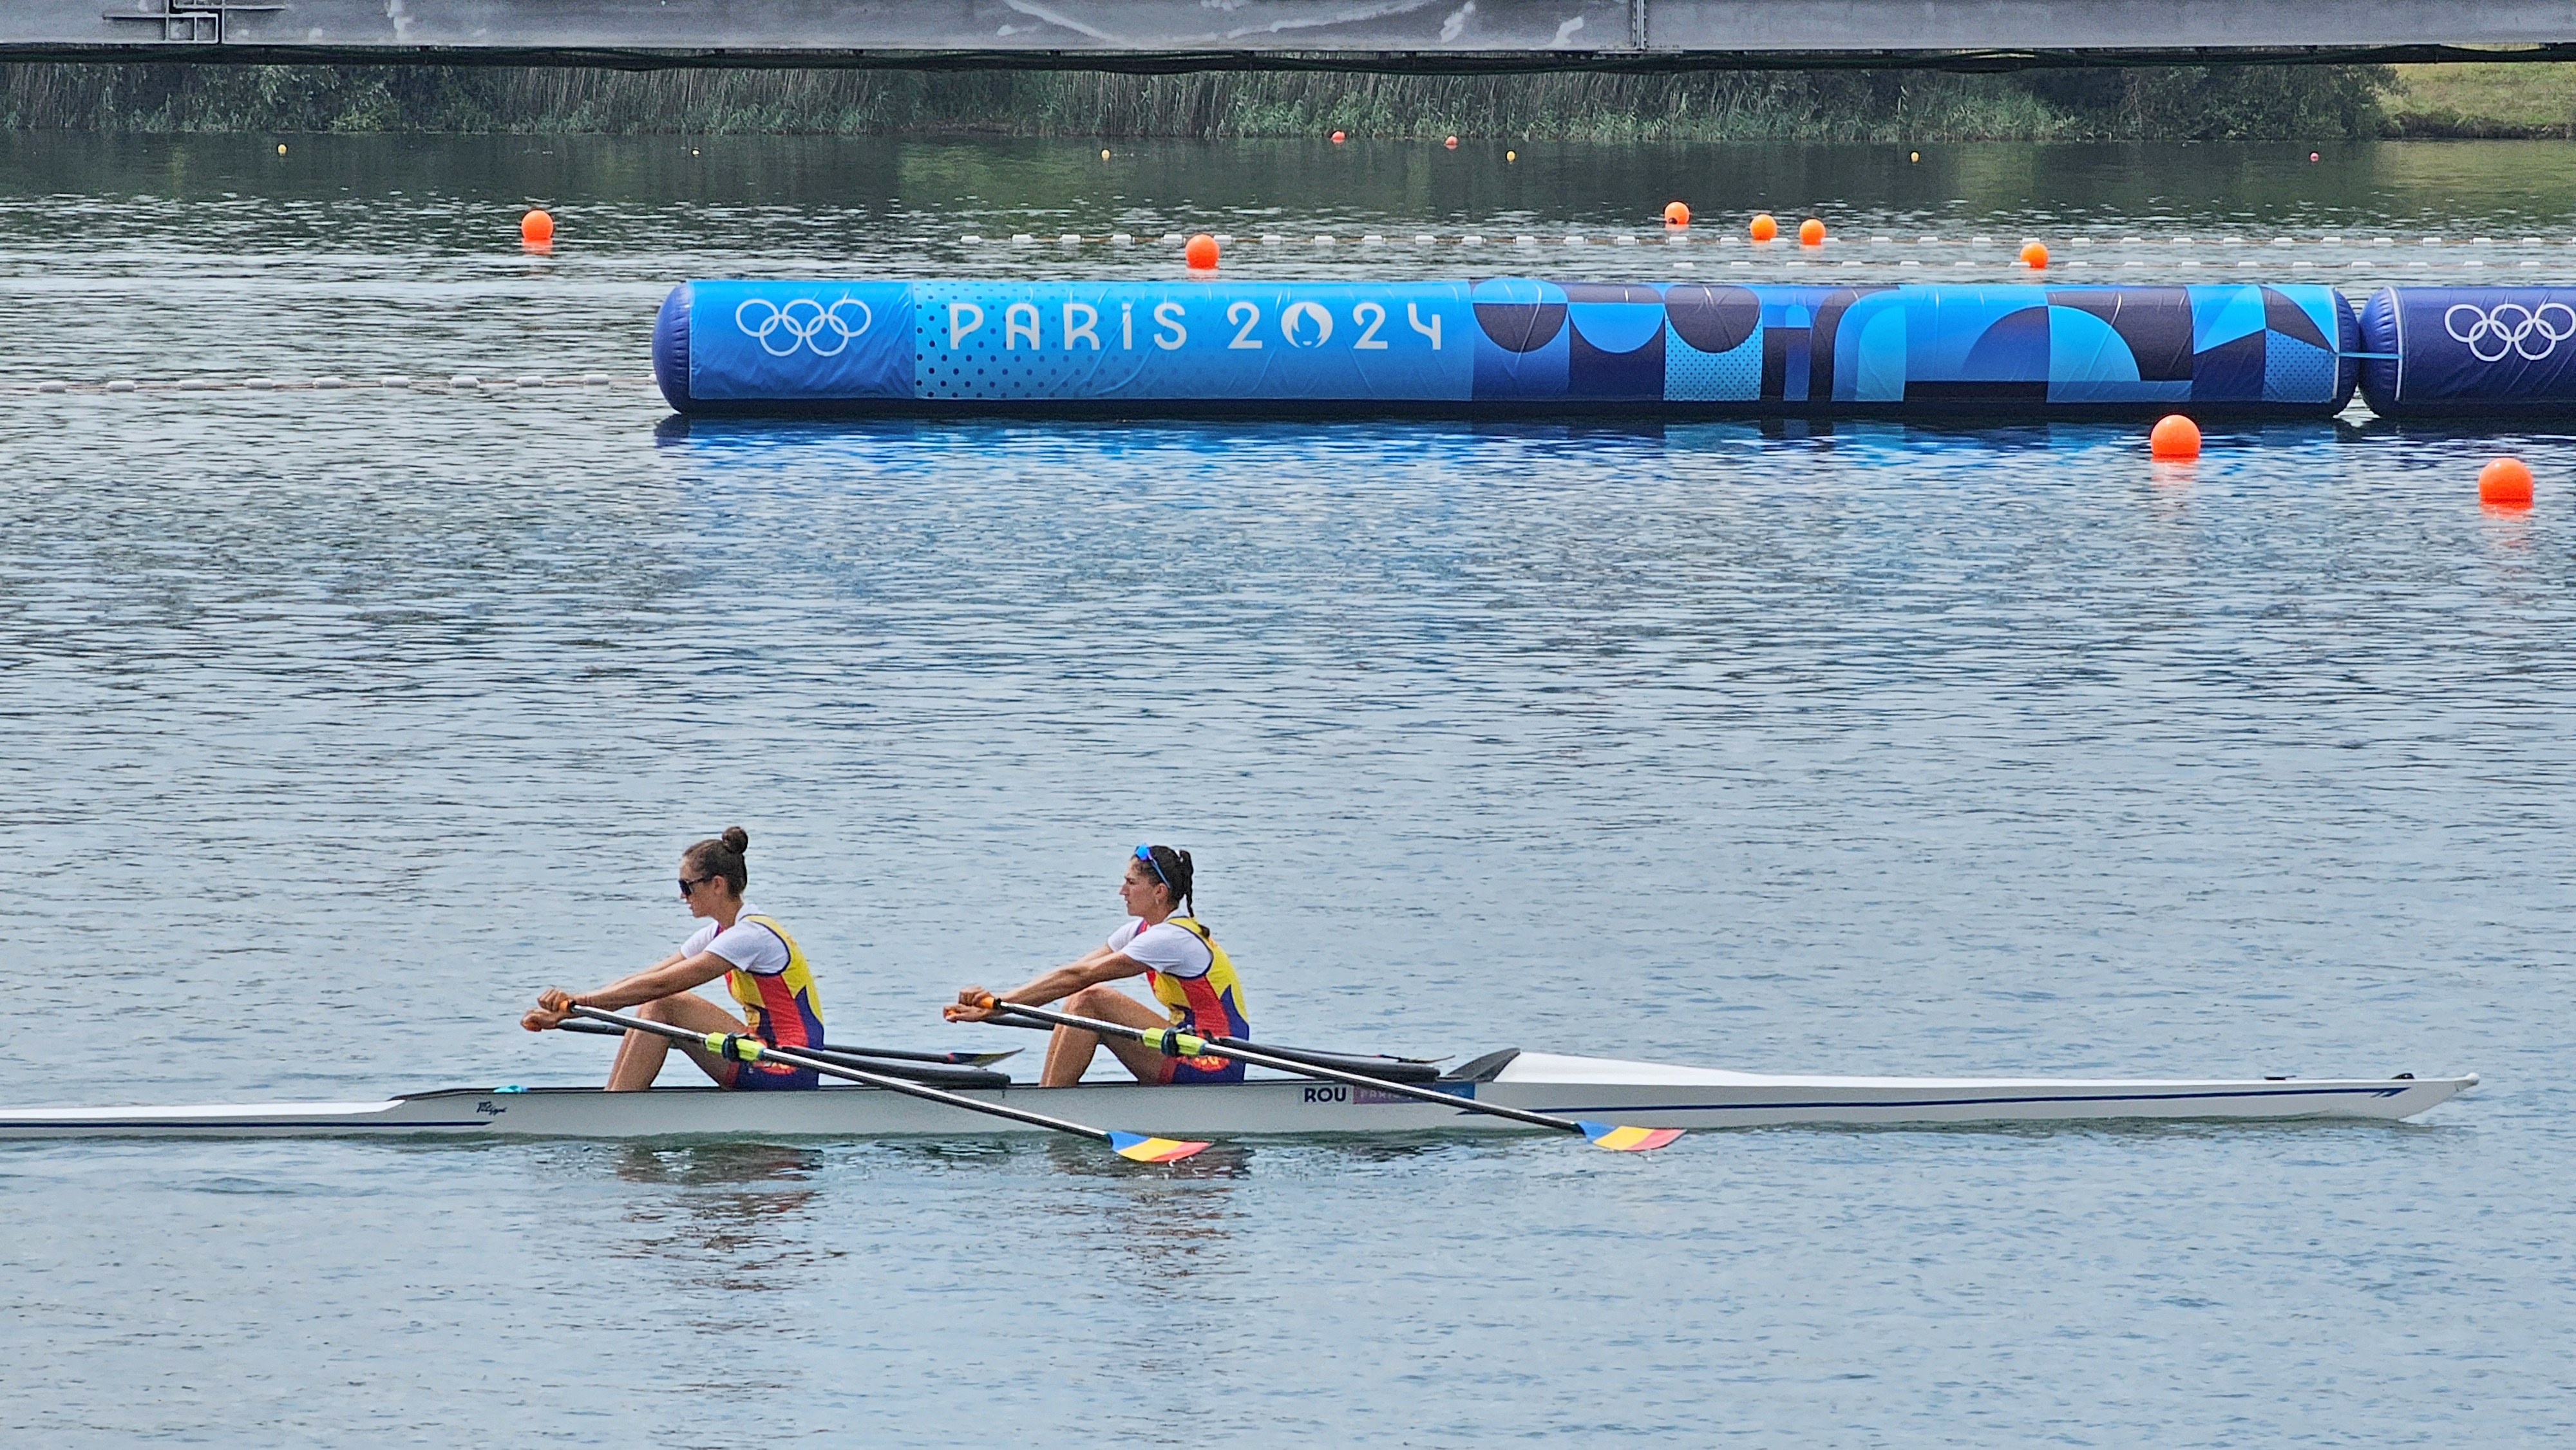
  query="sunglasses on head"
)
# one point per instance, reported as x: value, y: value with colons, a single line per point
x: 1146, y: 855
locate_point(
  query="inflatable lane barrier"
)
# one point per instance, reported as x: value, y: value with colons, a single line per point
x: 1504, y: 347
x: 2469, y: 352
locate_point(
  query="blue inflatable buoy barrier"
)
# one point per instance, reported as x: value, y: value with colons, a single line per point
x: 2469, y: 352
x: 1527, y: 347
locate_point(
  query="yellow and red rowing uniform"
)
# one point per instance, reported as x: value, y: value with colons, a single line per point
x: 783, y: 1011
x: 1208, y: 1005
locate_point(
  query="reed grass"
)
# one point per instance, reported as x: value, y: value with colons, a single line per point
x: 2176, y: 103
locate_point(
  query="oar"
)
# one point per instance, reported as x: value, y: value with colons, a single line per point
x: 735, y: 1047
x: 890, y: 1054
x: 1175, y: 1043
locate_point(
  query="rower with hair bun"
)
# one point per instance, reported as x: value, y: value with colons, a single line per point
x: 1188, y: 973
x: 761, y: 964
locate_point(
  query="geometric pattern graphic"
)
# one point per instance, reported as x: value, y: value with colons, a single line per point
x: 1732, y: 376
x: 1505, y: 346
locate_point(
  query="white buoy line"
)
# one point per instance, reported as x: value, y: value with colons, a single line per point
x: 389, y: 382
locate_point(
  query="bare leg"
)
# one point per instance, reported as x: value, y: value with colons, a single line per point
x: 639, y: 1057
x: 1069, y: 1049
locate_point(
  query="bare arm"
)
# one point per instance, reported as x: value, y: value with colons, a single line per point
x: 1089, y: 970
x: 667, y: 977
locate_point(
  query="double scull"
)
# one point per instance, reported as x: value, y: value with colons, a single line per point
x: 1640, y: 1094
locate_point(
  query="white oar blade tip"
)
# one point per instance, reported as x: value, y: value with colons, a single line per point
x: 1137, y: 1147
x: 1628, y: 1140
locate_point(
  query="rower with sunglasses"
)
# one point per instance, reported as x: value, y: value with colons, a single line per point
x: 1182, y: 965
x: 761, y: 964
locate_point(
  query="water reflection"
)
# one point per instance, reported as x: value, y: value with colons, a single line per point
x: 1172, y: 1221
x: 739, y: 1221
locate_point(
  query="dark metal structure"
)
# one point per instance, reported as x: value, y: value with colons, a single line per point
x: 1386, y: 35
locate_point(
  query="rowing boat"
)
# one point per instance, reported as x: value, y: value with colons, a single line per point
x: 1644, y: 1094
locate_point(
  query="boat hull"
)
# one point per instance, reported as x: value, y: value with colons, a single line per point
x: 1701, y: 1100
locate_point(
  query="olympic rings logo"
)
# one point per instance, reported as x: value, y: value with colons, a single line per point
x: 802, y: 323
x: 2491, y: 335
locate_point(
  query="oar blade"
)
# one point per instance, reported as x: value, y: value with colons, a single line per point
x: 1142, y: 1149
x: 1628, y: 1140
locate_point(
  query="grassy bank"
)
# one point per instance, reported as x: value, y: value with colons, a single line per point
x: 2491, y: 99
x: 2177, y: 103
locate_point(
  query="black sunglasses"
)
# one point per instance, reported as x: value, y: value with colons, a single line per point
x: 692, y: 883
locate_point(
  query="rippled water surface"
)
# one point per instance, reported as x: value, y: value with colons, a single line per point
x: 340, y: 722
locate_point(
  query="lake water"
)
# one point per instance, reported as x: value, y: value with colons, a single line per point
x: 342, y: 722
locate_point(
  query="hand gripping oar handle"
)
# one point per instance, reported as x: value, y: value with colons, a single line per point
x: 735, y: 1047
x: 1173, y: 1042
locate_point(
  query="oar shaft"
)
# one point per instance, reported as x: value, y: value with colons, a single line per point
x: 1194, y: 1046
x: 886, y: 1054
x: 852, y: 1074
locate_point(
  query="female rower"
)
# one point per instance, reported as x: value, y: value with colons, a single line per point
x: 759, y: 961
x: 1183, y: 966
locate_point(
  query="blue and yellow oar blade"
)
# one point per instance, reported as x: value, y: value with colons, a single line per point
x: 1628, y: 1140
x: 1142, y: 1149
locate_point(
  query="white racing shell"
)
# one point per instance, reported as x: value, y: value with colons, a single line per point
x: 1641, y: 1094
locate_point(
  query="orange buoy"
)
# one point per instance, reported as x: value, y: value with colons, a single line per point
x: 2034, y: 255
x: 1676, y: 214
x: 1200, y: 253
x: 1763, y: 228
x: 1337, y: 138
x: 1811, y: 233
x: 2175, y: 439
x: 537, y: 228
x: 1451, y: 143
x: 2505, y: 483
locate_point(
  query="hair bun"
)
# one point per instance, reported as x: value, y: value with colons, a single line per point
x: 736, y: 839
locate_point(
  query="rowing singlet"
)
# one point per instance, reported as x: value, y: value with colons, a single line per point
x: 1208, y: 1005
x: 781, y: 1007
